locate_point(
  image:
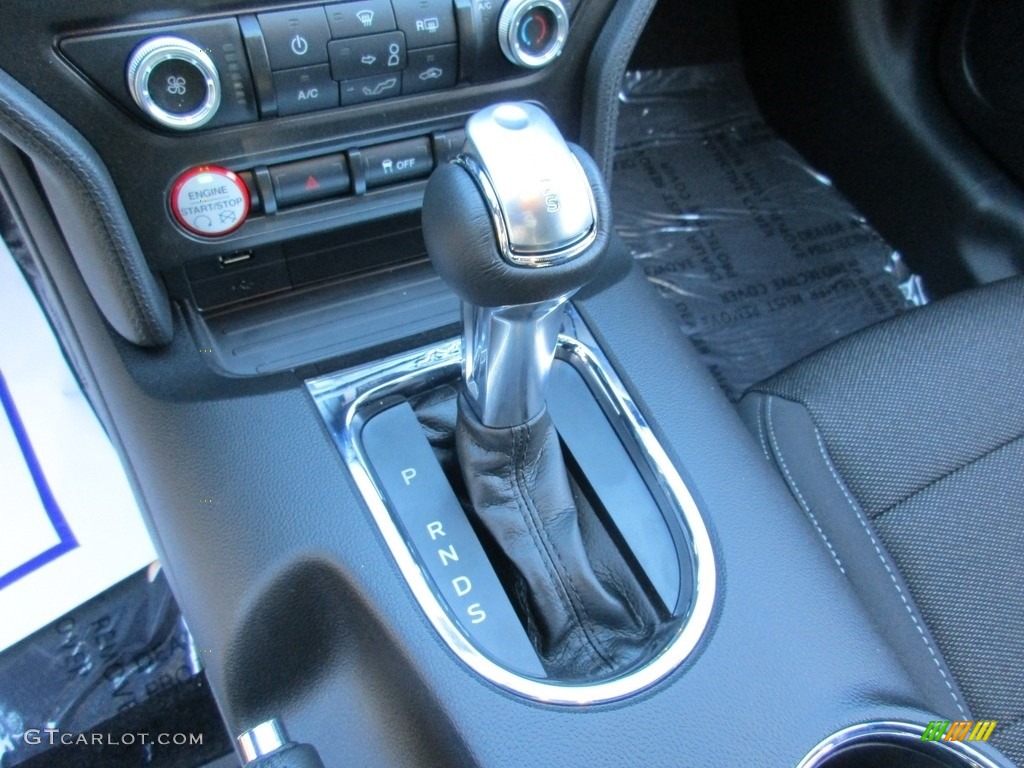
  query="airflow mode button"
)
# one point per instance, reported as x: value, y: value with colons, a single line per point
x: 365, y: 56
x: 370, y: 88
x: 210, y: 201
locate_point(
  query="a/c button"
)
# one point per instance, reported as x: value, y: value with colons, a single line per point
x: 305, y: 89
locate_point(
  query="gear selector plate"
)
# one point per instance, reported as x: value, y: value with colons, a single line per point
x: 651, y: 516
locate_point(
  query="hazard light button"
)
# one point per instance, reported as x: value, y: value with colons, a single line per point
x: 210, y: 201
x: 308, y: 180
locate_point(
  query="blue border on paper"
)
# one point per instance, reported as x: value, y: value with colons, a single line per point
x: 60, y: 525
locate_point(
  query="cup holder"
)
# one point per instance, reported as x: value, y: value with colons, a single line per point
x: 894, y: 745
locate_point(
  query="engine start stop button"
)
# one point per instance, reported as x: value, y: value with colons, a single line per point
x: 210, y: 201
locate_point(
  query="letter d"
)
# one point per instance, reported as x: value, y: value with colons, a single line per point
x: 462, y: 585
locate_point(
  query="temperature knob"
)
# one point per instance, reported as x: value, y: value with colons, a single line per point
x: 175, y: 82
x: 532, y: 32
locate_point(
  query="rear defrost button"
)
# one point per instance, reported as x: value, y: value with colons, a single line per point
x: 426, y: 23
x: 210, y: 201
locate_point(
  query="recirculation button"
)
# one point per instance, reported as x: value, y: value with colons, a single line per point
x: 210, y: 201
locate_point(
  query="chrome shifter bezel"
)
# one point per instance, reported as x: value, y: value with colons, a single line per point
x: 347, y: 399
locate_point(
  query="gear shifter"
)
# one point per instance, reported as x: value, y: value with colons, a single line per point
x: 515, y: 225
x: 515, y: 228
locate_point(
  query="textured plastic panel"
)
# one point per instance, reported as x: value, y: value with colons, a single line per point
x: 327, y: 321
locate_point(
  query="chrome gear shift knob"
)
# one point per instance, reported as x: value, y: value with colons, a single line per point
x: 540, y: 201
x: 515, y: 225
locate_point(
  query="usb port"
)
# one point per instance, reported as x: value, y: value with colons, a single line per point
x: 235, y: 258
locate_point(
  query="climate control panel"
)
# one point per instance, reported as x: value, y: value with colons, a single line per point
x: 251, y: 67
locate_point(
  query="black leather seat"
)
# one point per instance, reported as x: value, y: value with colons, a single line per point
x: 903, y: 445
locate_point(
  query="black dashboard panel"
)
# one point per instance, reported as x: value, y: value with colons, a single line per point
x: 74, y: 57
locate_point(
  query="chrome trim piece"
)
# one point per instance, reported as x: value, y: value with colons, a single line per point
x: 347, y: 399
x: 483, y: 183
x: 157, y: 50
x: 538, y: 195
x: 508, y: 31
x: 262, y: 740
x: 900, y: 734
x: 507, y: 359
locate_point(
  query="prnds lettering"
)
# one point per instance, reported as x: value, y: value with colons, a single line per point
x: 462, y: 584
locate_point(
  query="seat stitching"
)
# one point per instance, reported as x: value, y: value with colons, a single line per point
x: 796, y: 490
x: 949, y: 474
x: 878, y: 551
x: 760, y: 429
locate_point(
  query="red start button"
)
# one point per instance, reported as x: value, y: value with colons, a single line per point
x: 210, y: 201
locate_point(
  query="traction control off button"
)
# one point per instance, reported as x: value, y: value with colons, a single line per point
x: 210, y: 201
x: 400, y: 161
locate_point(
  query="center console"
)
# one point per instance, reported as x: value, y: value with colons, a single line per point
x: 252, y: 166
x: 226, y: 202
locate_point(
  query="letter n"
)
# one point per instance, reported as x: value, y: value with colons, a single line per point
x: 936, y: 730
x: 982, y: 730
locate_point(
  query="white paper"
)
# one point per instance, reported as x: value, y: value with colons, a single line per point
x: 28, y: 534
x: 80, y: 467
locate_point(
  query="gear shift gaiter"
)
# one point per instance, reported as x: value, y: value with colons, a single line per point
x: 515, y: 225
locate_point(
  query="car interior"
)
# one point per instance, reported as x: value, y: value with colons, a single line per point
x: 550, y: 382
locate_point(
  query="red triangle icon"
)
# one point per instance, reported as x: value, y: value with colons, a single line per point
x: 312, y: 183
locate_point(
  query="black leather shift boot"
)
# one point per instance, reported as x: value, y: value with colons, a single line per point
x: 582, y: 605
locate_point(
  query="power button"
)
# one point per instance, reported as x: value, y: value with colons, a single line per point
x: 210, y: 201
